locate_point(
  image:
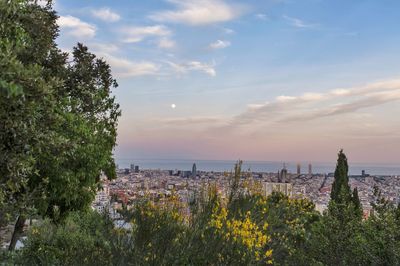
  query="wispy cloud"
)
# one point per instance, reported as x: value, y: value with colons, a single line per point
x: 166, y: 43
x: 219, y: 44
x: 196, y: 120
x: 228, y: 30
x: 198, y: 12
x: 183, y: 68
x: 106, y: 14
x: 138, y: 34
x: 261, y: 16
x: 298, y: 23
x: 311, y: 106
x: 76, y: 27
x: 104, y: 48
x: 124, y: 68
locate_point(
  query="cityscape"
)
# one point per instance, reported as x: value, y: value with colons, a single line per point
x: 133, y: 184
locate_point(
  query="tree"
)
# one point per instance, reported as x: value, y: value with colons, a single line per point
x: 334, y: 240
x: 26, y: 102
x: 89, y: 118
x: 290, y: 221
x: 340, y: 193
x: 356, y: 202
x: 57, y: 120
x: 382, y: 232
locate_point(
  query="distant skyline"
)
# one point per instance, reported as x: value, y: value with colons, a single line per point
x: 267, y: 80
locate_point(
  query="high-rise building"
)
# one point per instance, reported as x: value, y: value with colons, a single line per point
x: 132, y: 167
x: 136, y: 168
x: 298, y: 169
x: 310, y: 169
x: 194, y: 170
x: 283, y: 174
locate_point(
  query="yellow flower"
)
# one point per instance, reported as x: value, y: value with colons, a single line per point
x: 268, y: 253
x: 265, y: 226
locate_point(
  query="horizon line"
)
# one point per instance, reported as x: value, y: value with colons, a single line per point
x: 261, y: 161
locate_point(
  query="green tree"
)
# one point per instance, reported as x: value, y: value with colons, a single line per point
x: 340, y: 193
x: 382, y: 232
x: 289, y: 224
x: 356, y: 203
x: 334, y: 240
x: 57, y: 119
x: 26, y: 103
x: 87, y: 132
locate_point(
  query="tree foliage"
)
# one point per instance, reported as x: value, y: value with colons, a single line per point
x: 341, y: 193
x: 57, y: 119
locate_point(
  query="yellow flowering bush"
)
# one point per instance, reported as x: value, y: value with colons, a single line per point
x: 241, y: 236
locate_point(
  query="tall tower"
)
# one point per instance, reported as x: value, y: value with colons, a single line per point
x: 310, y: 169
x: 282, y: 178
x: 194, y: 170
x: 298, y: 169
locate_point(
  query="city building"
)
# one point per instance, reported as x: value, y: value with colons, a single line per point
x: 194, y: 170
x: 282, y: 174
x: 285, y: 188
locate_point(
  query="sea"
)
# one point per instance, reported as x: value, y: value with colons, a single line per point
x: 258, y: 166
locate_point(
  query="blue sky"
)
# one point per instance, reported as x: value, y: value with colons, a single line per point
x: 257, y: 80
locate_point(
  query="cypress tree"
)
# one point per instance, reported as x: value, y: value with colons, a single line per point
x: 356, y: 202
x: 341, y: 193
x: 341, y: 224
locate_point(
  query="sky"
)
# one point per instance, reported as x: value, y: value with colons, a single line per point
x: 268, y: 80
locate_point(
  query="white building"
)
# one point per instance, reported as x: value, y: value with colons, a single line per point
x: 285, y: 188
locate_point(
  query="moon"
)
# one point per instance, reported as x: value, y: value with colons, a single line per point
x: 173, y: 106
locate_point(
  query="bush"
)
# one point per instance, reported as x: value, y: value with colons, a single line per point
x: 82, y: 239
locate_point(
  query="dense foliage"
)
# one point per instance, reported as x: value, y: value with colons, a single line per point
x: 58, y: 119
